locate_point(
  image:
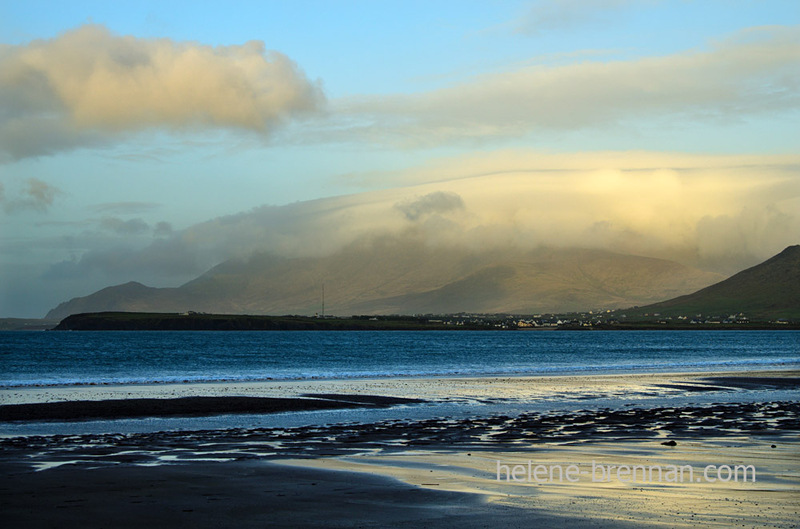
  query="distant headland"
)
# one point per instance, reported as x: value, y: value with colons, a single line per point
x: 192, y: 321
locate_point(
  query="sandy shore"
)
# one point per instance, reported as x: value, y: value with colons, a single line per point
x: 439, y: 471
x: 436, y: 488
x: 602, y: 499
x: 475, y: 388
x: 247, y: 495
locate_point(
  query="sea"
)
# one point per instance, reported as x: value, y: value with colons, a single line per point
x: 61, y: 358
x: 57, y: 364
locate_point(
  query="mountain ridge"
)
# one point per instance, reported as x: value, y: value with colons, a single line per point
x: 390, y: 276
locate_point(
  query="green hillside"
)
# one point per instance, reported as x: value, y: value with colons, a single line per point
x: 768, y: 291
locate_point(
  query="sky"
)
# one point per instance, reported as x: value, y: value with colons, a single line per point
x: 150, y: 141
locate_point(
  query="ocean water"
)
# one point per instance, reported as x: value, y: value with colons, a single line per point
x: 60, y: 363
x: 78, y: 358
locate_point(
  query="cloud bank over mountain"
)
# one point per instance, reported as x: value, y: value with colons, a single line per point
x: 720, y: 213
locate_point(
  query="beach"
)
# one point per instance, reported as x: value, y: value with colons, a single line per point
x: 468, y: 452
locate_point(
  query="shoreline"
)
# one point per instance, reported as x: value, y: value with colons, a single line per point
x: 152, y: 408
x: 294, y: 387
x: 788, y: 365
x: 436, y: 470
x: 436, y: 473
x: 541, y: 407
x: 765, y: 422
x: 194, y: 321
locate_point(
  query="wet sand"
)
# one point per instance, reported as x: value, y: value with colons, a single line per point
x: 436, y: 472
x: 600, y: 499
x: 466, y: 388
x: 224, y: 495
x: 188, y: 406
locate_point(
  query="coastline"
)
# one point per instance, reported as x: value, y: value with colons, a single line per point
x: 436, y: 471
x: 421, y: 387
x: 193, y: 321
x: 217, y: 406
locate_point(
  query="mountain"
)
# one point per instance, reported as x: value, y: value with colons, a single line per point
x: 766, y: 291
x: 394, y: 276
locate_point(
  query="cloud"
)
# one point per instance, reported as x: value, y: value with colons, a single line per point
x: 161, y: 261
x: 750, y: 231
x: 432, y: 203
x: 35, y: 195
x: 719, y: 212
x: 752, y: 73
x: 89, y: 86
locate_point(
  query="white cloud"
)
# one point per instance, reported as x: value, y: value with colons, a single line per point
x: 88, y: 85
x: 755, y: 72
